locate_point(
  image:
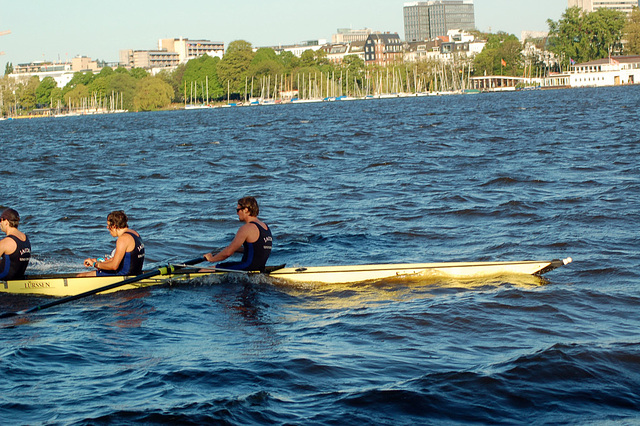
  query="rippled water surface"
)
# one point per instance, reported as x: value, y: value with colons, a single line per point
x: 513, y: 176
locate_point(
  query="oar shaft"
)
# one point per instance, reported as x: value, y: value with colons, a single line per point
x: 165, y: 270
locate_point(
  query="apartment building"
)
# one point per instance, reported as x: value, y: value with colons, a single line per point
x: 383, y: 49
x: 148, y: 59
x: 171, y: 52
x: 426, y: 20
x: 593, y: 5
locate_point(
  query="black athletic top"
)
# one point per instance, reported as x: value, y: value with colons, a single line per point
x: 132, y: 262
x: 13, y: 265
x: 255, y: 254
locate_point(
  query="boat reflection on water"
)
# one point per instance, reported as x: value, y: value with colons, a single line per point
x: 396, y: 289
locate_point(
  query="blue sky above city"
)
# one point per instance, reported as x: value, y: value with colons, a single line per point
x: 59, y: 31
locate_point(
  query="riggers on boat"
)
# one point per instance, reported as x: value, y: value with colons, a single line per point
x: 61, y: 285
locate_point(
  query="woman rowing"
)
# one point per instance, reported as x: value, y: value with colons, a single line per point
x: 128, y: 256
x: 15, y: 248
x: 253, y: 239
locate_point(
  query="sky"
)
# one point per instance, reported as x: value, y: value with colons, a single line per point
x: 60, y: 30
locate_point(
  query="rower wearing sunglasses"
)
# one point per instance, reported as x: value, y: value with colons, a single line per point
x: 253, y: 240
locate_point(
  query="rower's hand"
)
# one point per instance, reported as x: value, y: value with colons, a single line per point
x: 89, y: 262
x: 209, y: 257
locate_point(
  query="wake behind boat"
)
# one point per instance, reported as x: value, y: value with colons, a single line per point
x: 61, y: 285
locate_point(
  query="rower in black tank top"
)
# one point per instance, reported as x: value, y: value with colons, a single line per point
x: 255, y: 255
x: 13, y: 265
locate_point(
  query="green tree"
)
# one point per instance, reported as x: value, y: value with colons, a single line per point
x: 266, y: 67
x: 56, y: 96
x: 75, y: 97
x: 232, y: 69
x: 7, y: 95
x: 138, y: 73
x: 502, y: 55
x: 98, y: 86
x: 174, y: 79
x: 583, y: 36
x: 264, y: 54
x: 152, y: 93
x: 124, y: 86
x: 200, y: 78
x: 80, y: 77
x: 632, y: 33
x: 8, y: 69
x: 27, y: 93
x: 44, y: 91
x: 289, y: 60
x: 308, y: 58
x: 106, y: 72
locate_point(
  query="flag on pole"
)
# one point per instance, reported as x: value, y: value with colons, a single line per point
x: 572, y: 61
x: 502, y: 61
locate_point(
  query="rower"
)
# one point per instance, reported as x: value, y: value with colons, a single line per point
x: 253, y: 240
x: 127, y: 258
x: 15, y: 248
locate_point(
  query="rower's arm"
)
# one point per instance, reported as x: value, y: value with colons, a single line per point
x: 7, y: 246
x: 121, y: 249
x: 235, y: 246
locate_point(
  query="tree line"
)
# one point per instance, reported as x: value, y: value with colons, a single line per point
x: 243, y: 73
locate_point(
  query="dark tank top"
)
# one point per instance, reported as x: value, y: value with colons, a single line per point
x: 255, y: 254
x: 132, y: 261
x: 12, y: 266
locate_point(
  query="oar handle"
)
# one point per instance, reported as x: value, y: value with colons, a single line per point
x: 194, y: 261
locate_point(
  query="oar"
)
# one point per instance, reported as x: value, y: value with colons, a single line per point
x: 165, y: 270
x: 214, y: 269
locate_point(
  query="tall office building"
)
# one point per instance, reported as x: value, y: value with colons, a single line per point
x: 593, y: 5
x: 426, y: 20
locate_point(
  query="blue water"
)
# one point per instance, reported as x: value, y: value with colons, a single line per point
x: 511, y: 176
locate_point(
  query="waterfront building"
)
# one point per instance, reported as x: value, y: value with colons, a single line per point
x: 593, y: 5
x: 613, y: 71
x: 383, y: 49
x: 61, y: 72
x: 426, y: 20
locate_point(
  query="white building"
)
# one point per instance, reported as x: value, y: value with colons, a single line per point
x: 300, y: 48
x: 61, y: 72
x: 593, y: 5
x: 613, y: 71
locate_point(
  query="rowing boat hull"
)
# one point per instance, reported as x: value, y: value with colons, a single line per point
x: 65, y: 285
x: 357, y: 273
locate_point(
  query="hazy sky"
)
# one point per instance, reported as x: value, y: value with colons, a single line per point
x: 60, y: 30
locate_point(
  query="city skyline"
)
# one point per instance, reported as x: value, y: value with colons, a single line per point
x: 59, y: 31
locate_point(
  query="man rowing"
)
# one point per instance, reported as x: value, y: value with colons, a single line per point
x: 253, y: 240
x: 15, y: 248
x: 128, y: 256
